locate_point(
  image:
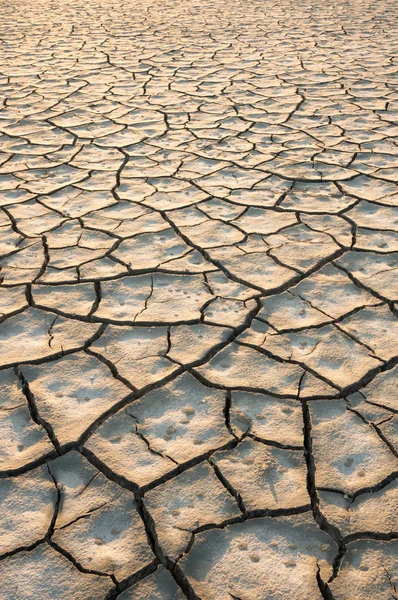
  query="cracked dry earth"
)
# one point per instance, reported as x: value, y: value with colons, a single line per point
x: 199, y: 332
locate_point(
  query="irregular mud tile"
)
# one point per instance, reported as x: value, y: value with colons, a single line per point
x: 9, y: 182
x: 45, y: 181
x: 379, y: 241
x: 138, y: 353
x: 261, y: 558
x: 212, y: 233
x: 158, y: 586
x: 10, y: 241
x: 66, y: 236
x: 95, y: 240
x: 374, y: 216
x: 96, y: 128
x: 111, y: 218
x: 266, y: 417
x: 313, y: 388
x: 326, y: 350
x: 241, y: 367
x: 375, y: 271
x: 188, y: 501
x: 232, y: 177
x: 191, y: 343
x: 369, y: 571
x: 22, y: 440
x: 98, y: 181
x: 150, y: 250
x: 220, y: 285
x: 290, y: 311
x: 333, y: 225
x: 43, y: 333
x: 50, y: 137
x: 332, y: 292
x: 266, y: 477
x: 123, y: 299
x: 372, y: 512
x: 255, y: 334
x: 94, y: 157
x: 12, y: 196
x: 265, y: 194
x: 263, y: 222
x: 192, y: 262
x: 66, y: 258
x: 388, y: 174
x: 348, y: 453
x: 74, y: 202
x: 377, y: 327
x: 72, y: 299
x: 134, y: 190
x: 300, y: 247
x: 83, y: 488
x: 27, y: 508
x: 102, y: 268
x: 389, y: 428
x: 370, y: 412
x: 22, y: 266
x: 4, y: 225
x: 118, y: 445
x: 232, y: 313
x: 183, y: 419
x: 175, y: 298
x: 34, y: 219
x: 198, y: 166
x: 316, y: 197
x: 256, y: 268
x: 368, y: 188
x: 153, y: 125
x: 72, y: 392
x: 170, y: 199
x: 334, y: 172
x: 219, y: 209
x: 230, y: 147
x: 52, y: 275
x: 122, y: 215
x: 111, y: 539
x: 187, y: 217
x: 151, y: 222
x: 45, y: 573
x: 120, y: 139
x: 22, y: 165
x: 12, y: 300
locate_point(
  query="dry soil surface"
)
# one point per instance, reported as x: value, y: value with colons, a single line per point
x: 199, y: 300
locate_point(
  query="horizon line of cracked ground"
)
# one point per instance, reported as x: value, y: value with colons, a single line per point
x: 198, y: 300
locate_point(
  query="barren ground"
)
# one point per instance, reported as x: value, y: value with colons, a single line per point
x: 198, y: 300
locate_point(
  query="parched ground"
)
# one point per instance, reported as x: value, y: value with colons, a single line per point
x: 199, y: 300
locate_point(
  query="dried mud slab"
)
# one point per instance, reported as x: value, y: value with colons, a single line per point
x: 265, y: 477
x: 159, y: 586
x: 183, y: 419
x: 22, y: 440
x: 268, y: 556
x: 109, y: 540
x: 186, y: 503
x: 348, y: 453
x: 45, y: 573
x: 267, y: 418
x: 370, y: 571
x: 72, y: 392
x: 27, y: 503
x: 374, y: 512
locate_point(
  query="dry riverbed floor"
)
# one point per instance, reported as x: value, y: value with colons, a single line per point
x: 199, y: 300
